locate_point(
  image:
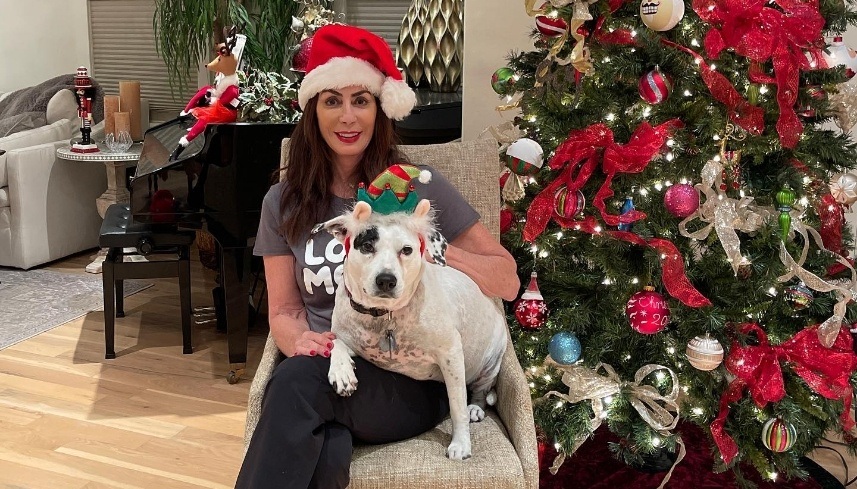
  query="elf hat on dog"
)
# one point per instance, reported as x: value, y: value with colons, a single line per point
x: 391, y: 191
x: 343, y: 55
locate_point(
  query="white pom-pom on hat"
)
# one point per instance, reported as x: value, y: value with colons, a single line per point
x: 425, y: 176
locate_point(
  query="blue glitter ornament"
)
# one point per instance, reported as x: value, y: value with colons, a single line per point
x: 627, y: 207
x: 564, y: 348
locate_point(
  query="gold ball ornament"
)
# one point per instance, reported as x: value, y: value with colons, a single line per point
x: 661, y: 15
x: 843, y: 187
x: 704, y: 353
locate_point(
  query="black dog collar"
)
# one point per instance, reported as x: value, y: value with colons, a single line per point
x: 372, y: 311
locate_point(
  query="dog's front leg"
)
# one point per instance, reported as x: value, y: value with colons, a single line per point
x: 452, y: 367
x: 341, y: 374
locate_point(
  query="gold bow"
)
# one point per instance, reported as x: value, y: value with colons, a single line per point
x: 579, y: 56
x: 584, y: 384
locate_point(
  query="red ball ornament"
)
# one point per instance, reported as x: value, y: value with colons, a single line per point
x: 681, y: 200
x: 507, y: 218
x: 655, y: 87
x: 551, y: 26
x: 566, y: 206
x: 301, y: 56
x: 648, y: 312
x: 530, y: 310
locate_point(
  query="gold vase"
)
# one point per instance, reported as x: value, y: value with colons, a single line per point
x: 411, y: 41
x: 443, y: 45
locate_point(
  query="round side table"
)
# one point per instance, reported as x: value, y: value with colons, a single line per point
x: 116, y: 191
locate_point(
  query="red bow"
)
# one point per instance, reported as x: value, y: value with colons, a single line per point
x: 779, y: 30
x: 585, y: 146
x: 825, y: 370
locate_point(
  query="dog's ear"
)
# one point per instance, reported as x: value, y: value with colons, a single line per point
x: 422, y: 209
x: 437, y: 246
x: 361, y: 212
x: 335, y: 226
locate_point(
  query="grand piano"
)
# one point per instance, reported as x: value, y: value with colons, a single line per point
x: 217, y: 184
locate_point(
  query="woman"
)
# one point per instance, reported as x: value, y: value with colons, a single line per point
x: 305, y: 434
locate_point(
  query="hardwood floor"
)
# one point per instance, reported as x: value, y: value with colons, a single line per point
x: 152, y: 417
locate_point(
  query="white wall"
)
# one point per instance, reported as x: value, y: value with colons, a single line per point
x: 492, y: 29
x: 41, y: 39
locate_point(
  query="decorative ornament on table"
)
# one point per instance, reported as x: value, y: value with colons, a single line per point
x: 524, y: 157
x: 564, y: 348
x: 681, y: 200
x: 843, y: 187
x: 551, y: 26
x: 655, y: 87
x: 778, y: 435
x: 503, y: 80
x: 704, y: 353
x: 530, y: 310
x: 838, y: 54
x: 567, y: 206
x: 647, y: 311
x: 799, y: 296
x: 785, y: 199
x: 661, y: 15
x: 627, y: 206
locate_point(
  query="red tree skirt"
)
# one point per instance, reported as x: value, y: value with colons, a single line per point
x: 595, y: 467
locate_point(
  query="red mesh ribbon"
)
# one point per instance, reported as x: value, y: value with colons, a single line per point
x: 832, y: 218
x: 748, y: 116
x: 825, y: 370
x: 621, y: 37
x: 587, y: 146
x: 672, y: 265
x: 762, y: 30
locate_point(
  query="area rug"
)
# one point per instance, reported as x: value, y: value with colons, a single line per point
x: 35, y: 301
x: 595, y: 467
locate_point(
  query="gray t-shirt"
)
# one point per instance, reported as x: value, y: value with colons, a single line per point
x: 318, y: 258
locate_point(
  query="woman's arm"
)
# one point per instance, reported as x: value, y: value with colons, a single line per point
x: 476, y: 253
x: 286, y: 312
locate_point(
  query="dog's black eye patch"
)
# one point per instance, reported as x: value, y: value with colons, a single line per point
x: 365, y: 241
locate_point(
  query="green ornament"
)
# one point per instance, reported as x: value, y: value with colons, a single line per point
x: 502, y: 79
x: 753, y: 94
x: 785, y: 199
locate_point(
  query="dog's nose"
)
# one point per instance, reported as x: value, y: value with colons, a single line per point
x: 385, y: 282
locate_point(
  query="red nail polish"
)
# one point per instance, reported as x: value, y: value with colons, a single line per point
x: 312, y: 353
x: 330, y: 345
x: 326, y: 353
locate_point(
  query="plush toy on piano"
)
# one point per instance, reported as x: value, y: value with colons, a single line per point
x: 216, y: 103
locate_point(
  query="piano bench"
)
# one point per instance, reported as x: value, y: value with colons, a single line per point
x: 123, y: 239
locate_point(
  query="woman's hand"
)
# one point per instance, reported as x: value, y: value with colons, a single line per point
x: 311, y: 343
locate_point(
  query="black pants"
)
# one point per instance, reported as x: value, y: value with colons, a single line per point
x: 304, y: 437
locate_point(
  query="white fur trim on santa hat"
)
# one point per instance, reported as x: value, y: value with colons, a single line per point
x: 347, y: 71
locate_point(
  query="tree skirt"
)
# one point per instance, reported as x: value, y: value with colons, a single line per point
x: 595, y: 467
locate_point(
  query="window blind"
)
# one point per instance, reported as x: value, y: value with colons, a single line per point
x: 123, y: 48
x: 383, y: 17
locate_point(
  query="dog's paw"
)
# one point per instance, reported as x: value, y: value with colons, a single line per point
x: 477, y: 414
x: 459, y: 449
x: 341, y: 377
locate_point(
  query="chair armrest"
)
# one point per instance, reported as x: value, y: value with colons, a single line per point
x: 515, y: 407
x: 270, y: 358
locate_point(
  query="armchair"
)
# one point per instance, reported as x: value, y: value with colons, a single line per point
x: 504, y: 443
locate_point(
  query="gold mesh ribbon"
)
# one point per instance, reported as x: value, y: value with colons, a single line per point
x: 724, y: 214
x: 844, y: 104
x: 660, y: 411
x: 579, y: 56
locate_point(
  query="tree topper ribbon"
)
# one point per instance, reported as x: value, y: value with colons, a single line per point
x: 826, y: 371
x: 585, y: 145
x: 660, y: 411
x: 780, y: 30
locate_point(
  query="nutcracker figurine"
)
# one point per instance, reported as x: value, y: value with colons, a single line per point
x: 83, y: 88
x: 217, y: 103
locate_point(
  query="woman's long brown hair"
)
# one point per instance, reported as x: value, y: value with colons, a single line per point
x: 307, y: 195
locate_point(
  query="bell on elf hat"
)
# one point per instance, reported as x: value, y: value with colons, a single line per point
x: 391, y: 191
x: 343, y: 55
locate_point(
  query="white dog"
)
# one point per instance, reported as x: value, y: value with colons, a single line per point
x: 404, y: 314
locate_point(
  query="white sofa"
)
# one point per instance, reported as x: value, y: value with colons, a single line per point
x: 47, y: 205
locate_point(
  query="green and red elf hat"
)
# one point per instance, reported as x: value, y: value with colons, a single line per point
x: 392, y: 191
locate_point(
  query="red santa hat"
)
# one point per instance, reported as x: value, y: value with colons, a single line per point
x: 344, y: 55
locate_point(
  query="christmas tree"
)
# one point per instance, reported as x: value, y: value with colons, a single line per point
x: 678, y: 184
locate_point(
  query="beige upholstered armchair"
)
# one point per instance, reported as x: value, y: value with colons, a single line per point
x: 504, y: 443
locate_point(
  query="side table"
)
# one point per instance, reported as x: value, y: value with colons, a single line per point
x: 116, y: 192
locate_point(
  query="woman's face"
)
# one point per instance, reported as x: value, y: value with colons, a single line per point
x: 346, y: 119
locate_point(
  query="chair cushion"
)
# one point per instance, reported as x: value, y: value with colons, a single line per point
x: 58, y: 131
x: 421, y: 462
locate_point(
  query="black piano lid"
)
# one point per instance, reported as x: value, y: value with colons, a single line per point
x: 161, y: 140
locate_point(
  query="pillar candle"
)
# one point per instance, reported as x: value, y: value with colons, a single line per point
x: 129, y: 101
x: 122, y: 122
x: 111, y: 106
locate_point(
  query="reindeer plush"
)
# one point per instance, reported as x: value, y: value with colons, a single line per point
x: 217, y: 103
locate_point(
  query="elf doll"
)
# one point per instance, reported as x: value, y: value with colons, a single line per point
x: 217, y: 103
